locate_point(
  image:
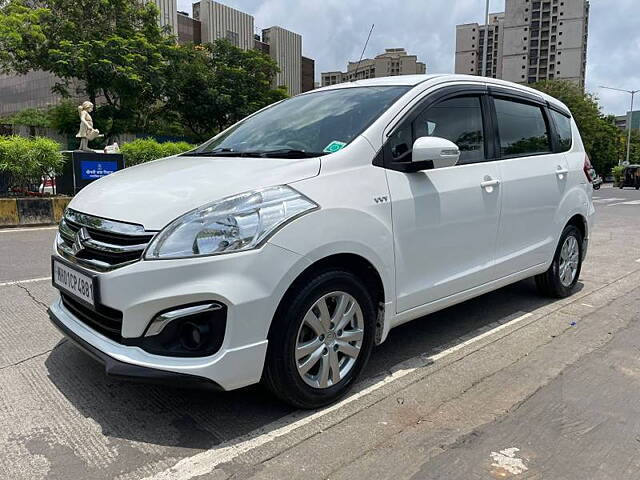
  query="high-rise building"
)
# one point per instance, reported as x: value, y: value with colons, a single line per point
x: 33, y: 90
x: 220, y: 21
x: 189, y: 29
x: 532, y: 40
x: 285, y: 47
x: 394, y: 61
x: 259, y: 45
x: 470, y: 44
x: 632, y: 118
x: 168, y: 14
x: 307, y: 74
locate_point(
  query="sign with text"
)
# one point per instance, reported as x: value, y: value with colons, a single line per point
x: 92, y: 169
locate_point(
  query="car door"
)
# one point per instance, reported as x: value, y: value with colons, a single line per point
x: 534, y: 179
x: 445, y: 220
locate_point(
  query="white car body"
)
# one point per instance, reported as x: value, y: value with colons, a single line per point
x: 435, y: 237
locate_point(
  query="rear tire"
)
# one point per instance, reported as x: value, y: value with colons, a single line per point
x: 309, y: 320
x: 562, y: 276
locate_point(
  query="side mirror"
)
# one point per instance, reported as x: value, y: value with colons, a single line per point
x: 437, y: 151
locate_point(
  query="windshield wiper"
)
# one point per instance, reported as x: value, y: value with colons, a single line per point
x: 218, y: 152
x: 290, y: 153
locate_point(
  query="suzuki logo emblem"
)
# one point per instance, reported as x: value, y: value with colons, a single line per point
x: 82, y: 235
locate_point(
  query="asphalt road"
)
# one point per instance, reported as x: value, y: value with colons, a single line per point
x: 447, y: 396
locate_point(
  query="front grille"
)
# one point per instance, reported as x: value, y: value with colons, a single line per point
x: 105, y: 320
x: 99, y: 243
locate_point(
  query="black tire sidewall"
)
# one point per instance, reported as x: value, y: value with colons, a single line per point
x: 281, y: 350
x: 560, y: 289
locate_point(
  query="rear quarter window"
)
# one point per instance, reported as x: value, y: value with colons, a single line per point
x: 563, y: 130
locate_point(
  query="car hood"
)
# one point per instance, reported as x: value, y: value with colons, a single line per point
x: 155, y: 193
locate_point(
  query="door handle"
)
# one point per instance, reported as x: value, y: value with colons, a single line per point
x: 490, y: 183
x: 561, y: 172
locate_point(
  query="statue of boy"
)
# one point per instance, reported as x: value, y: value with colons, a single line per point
x: 86, y: 132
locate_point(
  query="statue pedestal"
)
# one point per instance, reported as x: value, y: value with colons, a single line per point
x: 82, y: 168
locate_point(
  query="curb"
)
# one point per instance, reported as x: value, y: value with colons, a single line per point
x: 15, y: 212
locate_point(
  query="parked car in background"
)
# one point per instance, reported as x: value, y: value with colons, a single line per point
x: 288, y: 245
x: 631, y: 177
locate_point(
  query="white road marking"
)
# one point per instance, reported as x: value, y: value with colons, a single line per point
x: 587, y: 305
x: 631, y: 202
x: 507, y: 462
x: 638, y: 260
x: 204, y: 463
x: 31, y: 280
x: 605, y: 200
x: 32, y: 229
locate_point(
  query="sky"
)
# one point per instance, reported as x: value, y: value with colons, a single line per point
x: 334, y: 31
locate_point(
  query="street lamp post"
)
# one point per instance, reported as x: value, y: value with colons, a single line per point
x: 630, y: 119
x: 486, y: 40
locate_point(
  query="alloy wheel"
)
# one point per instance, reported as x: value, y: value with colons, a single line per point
x: 329, y: 340
x: 569, y: 260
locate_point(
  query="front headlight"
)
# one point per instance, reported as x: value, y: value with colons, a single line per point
x: 233, y: 224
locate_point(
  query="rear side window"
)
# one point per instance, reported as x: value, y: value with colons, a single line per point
x: 522, y: 128
x: 563, y: 127
x: 459, y: 120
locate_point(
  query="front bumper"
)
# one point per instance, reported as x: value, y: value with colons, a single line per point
x: 127, y: 371
x: 250, y: 284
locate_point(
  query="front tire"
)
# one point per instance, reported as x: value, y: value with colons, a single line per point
x: 562, y: 276
x: 321, y: 339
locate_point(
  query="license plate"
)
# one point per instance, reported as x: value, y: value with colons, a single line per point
x: 74, y: 282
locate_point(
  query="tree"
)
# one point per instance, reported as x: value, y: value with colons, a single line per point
x: 599, y: 134
x: 209, y: 87
x: 111, y: 50
x: 64, y: 117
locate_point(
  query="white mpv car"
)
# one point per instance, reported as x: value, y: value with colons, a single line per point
x: 287, y: 246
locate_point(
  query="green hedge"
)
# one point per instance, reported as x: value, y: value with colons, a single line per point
x: 26, y: 160
x: 145, y: 150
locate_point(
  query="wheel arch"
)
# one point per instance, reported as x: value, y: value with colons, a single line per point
x: 580, y: 222
x: 352, y: 262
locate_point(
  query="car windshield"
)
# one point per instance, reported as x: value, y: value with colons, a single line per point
x: 307, y: 125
